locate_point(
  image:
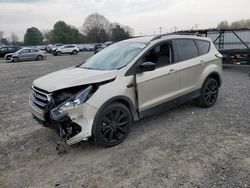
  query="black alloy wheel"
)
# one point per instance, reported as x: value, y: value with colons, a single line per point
x: 113, y: 125
x: 209, y: 93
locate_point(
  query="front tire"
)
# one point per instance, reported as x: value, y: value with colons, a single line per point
x: 113, y: 125
x: 209, y: 93
x: 15, y: 59
x: 59, y: 53
x: 74, y: 52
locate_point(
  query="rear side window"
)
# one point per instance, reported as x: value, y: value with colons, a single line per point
x: 33, y: 50
x: 186, y: 49
x: 203, y: 46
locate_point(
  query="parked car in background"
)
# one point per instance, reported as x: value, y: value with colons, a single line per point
x: 50, y: 47
x: 8, y: 49
x: 42, y: 47
x: 26, y: 54
x: 100, y: 47
x: 86, y: 47
x: 125, y: 82
x: 67, y: 49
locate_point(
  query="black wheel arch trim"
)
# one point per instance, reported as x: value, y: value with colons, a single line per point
x: 119, y: 99
x: 216, y: 76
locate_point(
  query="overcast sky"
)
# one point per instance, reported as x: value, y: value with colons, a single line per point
x: 144, y: 16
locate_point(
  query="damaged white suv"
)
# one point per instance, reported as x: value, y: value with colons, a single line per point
x: 125, y: 82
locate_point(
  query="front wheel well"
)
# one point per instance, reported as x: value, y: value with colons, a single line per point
x: 129, y: 105
x: 125, y: 101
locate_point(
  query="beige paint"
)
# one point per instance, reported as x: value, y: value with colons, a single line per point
x: 156, y: 87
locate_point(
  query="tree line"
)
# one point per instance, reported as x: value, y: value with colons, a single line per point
x: 95, y: 29
x: 240, y: 24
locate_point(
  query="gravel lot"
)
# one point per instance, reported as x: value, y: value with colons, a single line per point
x: 185, y: 147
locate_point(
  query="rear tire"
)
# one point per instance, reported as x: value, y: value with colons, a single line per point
x: 39, y: 58
x: 113, y: 125
x: 209, y: 93
x: 15, y: 59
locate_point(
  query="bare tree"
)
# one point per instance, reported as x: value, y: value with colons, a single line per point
x: 97, y: 28
x: 223, y: 25
x: 48, y: 36
x: 14, y: 38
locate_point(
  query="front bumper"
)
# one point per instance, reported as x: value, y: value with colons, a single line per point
x: 81, y: 116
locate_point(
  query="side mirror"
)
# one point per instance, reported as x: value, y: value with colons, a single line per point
x: 147, y: 66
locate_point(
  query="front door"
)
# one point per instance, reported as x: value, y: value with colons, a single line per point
x: 24, y: 54
x: 156, y: 88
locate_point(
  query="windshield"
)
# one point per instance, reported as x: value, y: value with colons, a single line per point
x: 20, y: 50
x: 115, y: 56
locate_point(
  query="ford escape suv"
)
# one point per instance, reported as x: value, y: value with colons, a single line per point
x: 125, y: 82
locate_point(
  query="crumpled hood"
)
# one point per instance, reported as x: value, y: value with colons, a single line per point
x: 71, y: 77
x: 10, y: 54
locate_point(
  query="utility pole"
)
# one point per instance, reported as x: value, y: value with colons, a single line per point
x: 160, y: 28
x: 175, y: 28
x: 196, y: 26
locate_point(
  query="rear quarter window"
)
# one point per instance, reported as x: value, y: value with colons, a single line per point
x: 186, y: 49
x: 203, y: 46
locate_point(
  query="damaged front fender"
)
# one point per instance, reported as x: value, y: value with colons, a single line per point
x: 76, y: 123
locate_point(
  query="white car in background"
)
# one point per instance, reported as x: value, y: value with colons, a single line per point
x: 67, y: 49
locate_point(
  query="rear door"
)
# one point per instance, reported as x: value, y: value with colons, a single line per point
x: 33, y: 54
x: 190, y: 64
x: 161, y: 85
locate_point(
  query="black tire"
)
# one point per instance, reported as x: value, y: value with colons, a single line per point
x: 112, y: 125
x: 59, y: 53
x: 74, y: 52
x: 15, y: 59
x: 39, y: 58
x: 209, y: 93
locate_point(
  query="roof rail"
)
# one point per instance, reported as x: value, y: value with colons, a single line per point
x: 174, y: 33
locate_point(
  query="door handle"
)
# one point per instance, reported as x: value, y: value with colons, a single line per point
x: 171, y: 71
x: 202, y: 62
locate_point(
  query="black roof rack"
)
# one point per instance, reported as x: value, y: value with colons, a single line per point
x: 174, y: 33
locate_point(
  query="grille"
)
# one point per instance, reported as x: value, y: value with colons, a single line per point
x: 40, y: 99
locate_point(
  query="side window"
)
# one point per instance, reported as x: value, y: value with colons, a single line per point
x: 25, y: 51
x: 186, y: 49
x: 204, y: 46
x: 33, y: 50
x: 4, y: 49
x: 160, y: 55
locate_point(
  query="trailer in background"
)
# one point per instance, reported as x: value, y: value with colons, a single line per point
x: 233, y: 44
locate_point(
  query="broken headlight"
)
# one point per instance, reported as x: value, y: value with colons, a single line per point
x: 76, y: 100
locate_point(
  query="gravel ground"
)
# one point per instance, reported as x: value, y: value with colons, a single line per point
x: 184, y: 147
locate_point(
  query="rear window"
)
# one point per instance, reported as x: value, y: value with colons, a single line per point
x: 186, y: 49
x: 204, y: 46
